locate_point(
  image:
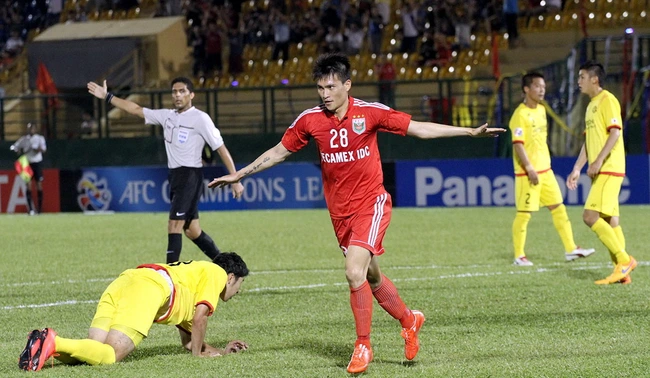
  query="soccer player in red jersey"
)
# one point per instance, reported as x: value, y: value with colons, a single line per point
x: 345, y: 130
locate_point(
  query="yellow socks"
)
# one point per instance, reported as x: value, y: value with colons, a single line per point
x: 89, y: 351
x: 519, y: 229
x: 563, y: 227
x: 619, y: 234
x: 608, y: 236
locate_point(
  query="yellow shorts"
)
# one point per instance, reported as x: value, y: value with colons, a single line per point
x: 530, y: 197
x: 603, y: 195
x: 132, y: 302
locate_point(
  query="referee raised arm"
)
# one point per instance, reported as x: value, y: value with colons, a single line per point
x: 186, y: 131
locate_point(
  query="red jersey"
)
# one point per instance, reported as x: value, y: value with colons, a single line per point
x: 349, y: 156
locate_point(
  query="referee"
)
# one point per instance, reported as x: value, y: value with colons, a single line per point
x: 186, y: 131
x: 33, y: 146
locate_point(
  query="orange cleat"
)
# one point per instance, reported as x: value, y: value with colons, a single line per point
x: 39, y: 348
x: 360, y: 359
x: 621, y: 271
x: 626, y: 280
x: 410, y: 335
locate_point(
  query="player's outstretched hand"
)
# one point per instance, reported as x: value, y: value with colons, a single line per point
x: 485, y: 131
x: 224, y: 180
x: 236, y: 346
x: 97, y: 90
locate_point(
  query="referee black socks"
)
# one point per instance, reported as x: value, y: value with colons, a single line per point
x: 174, y: 245
x: 206, y: 244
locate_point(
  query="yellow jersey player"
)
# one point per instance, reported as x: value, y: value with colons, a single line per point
x: 183, y: 294
x: 604, y: 151
x: 535, y: 183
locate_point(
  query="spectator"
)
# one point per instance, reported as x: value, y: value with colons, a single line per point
x: 510, y: 14
x: 352, y: 16
x: 197, y: 42
x: 354, y: 36
x: 386, y: 74
x: 462, y: 19
x: 213, y: 62
x: 383, y: 8
x: 235, y: 58
x: 330, y: 16
x: 409, y: 27
x: 13, y: 46
x: 88, y: 125
x: 375, y: 30
x: 54, y: 9
x: 490, y: 15
x: 306, y: 27
x: 428, y: 52
x: 333, y: 40
x: 281, y: 34
x: 162, y: 9
x: 443, y: 50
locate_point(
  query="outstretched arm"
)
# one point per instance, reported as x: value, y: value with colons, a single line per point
x: 271, y: 157
x: 226, y: 158
x: 430, y: 130
x: 102, y: 91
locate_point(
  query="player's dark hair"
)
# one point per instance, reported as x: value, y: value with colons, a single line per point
x: 188, y: 83
x: 331, y: 64
x: 528, y: 78
x: 595, y: 69
x: 231, y: 262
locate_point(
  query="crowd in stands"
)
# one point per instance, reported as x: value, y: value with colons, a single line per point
x: 17, y: 18
x: 430, y: 28
x: 223, y: 28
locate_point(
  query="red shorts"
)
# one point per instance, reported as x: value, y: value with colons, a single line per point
x: 365, y: 229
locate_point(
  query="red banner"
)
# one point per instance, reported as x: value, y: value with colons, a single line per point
x: 12, y: 192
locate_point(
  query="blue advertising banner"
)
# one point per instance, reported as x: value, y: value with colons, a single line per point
x: 490, y: 182
x: 287, y: 186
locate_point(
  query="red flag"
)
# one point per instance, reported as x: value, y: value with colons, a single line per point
x: 45, y: 84
x: 23, y: 169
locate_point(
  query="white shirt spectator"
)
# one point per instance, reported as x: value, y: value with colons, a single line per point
x: 408, y: 23
x: 334, y: 39
x: 185, y: 134
x: 355, y: 39
x: 281, y: 32
x: 14, y: 44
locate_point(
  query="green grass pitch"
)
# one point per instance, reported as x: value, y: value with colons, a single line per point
x: 485, y: 317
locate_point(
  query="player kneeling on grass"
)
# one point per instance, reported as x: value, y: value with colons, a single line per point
x: 184, y: 294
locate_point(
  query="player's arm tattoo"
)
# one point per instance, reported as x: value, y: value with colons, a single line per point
x: 255, y: 168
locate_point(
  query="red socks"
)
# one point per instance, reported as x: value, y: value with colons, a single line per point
x: 389, y: 300
x: 361, y: 303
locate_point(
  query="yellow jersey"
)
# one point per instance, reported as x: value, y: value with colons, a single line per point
x: 194, y: 283
x: 604, y: 114
x: 529, y: 127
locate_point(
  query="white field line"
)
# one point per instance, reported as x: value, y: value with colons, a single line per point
x: 522, y: 270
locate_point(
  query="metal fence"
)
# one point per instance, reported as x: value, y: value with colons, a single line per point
x: 241, y: 110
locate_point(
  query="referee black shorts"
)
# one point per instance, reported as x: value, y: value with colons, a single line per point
x: 185, y: 189
x: 38, y: 171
